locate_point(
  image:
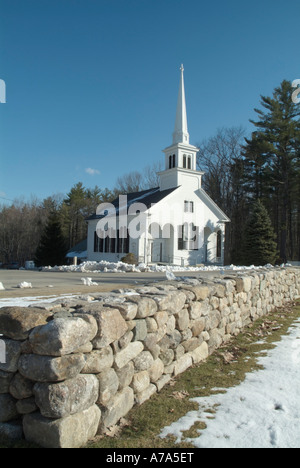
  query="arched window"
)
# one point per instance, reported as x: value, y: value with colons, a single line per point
x: 170, y: 162
x: 174, y: 160
x: 189, y: 162
x: 219, y: 244
x: 184, y: 161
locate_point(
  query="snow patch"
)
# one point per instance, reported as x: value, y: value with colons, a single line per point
x: 24, y: 285
x: 88, y: 282
x: 262, y: 412
x: 170, y: 275
x: 2, y: 288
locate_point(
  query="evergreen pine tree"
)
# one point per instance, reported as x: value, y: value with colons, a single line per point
x: 260, y: 247
x: 51, y: 250
x: 271, y: 170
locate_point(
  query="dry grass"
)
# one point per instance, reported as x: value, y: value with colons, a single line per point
x: 227, y: 367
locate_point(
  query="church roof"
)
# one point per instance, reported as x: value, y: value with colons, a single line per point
x: 79, y: 250
x: 147, y: 197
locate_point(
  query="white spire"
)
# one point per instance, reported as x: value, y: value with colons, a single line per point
x: 181, y: 134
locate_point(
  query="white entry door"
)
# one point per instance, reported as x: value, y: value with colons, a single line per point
x: 157, y: 251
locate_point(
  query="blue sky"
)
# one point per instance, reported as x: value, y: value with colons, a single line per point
x: 92, y: 84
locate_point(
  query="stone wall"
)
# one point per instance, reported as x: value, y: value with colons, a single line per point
x: 74, y: 368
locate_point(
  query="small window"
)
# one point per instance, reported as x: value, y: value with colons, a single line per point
x: 184, y: 161
x: 189, y: 162
x: 170, y: 162
x: 189, y: 207
x: 174, y: 160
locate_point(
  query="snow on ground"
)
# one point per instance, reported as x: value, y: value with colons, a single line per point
x: 28, y: 300
x: 262, y: 412
x: 120, y: 267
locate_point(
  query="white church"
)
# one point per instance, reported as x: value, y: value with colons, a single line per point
x: 176, y: 223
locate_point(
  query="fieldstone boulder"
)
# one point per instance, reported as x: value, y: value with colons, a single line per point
x: 143, y: 396
x: 156, y: 370
x: 128, y: 310
x: 70, y: 432
x: 173, y: 302
x: 201, y: 292
x: 20, y: 387
x: 182, y: 320
x: 128, y: 354
x: 60, y: 336
x: 243, y: 284
x: 140, y: 330
x: 50, y: 369
x: 8, y: 408
x: 12, y: 354
x: 12, y: 430
x: 125, y: 375
x: 98, y: 360
x: 5, y: 380
x: 143, y: 361
x: 140, y: 381
x: 200, y: 354
x: 26, y: 406
x: 111, y: 327
x: 183, y: 364
x: 17, y: 322
x: 71, y: 396
x: 108, y: 386
x: 146, y: 306
x: 117, y: 407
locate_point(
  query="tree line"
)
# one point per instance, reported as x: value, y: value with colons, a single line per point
x: 254, y: 179
x: 45, y: 230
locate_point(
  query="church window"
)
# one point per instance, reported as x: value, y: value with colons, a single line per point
x: 189, y: 162
x: 184, y: 161
x: 219, y: 244
x: 174, y: 160
x: 188, y: 207
x: 96, y: 242
x: 187, y: 237
x: 170, y: 162
x: 122, y: 241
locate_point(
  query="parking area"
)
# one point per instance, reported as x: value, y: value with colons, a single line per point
x: 47, y: 283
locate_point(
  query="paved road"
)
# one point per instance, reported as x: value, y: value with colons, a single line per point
x: 70, y: 282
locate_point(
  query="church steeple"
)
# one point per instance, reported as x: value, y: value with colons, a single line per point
x: 180, y: 157
x: 181, y: 134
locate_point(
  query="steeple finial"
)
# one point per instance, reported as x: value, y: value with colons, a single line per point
x: 181, y: 134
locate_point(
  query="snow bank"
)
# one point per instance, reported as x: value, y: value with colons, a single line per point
x: 120, y: 267
x: 262, y: 412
